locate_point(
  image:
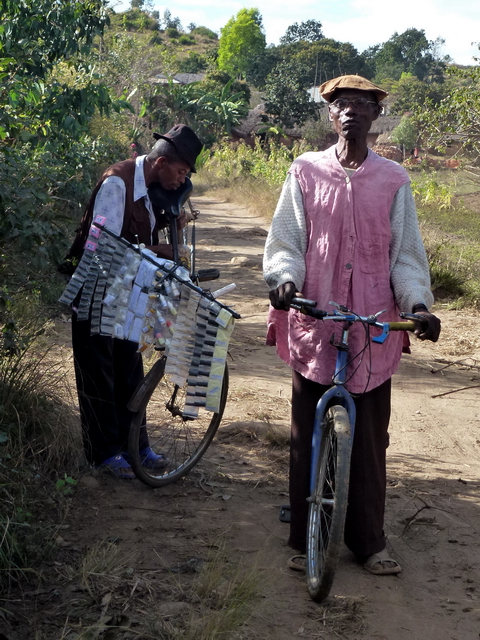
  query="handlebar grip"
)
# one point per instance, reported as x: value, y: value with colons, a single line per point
x: 204, y: 275
x: 406, y: 325
x: 304, y: 302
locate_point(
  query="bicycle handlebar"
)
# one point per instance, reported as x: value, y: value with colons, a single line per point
x: 342, y: 314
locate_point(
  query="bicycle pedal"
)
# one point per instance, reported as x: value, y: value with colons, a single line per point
x: 284, y: 513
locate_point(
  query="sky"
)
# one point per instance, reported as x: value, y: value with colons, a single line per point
x: 361, y: 22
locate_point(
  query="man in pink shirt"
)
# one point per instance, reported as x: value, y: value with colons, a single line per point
x: 345, y: 230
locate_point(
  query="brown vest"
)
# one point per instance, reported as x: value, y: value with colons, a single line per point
x: 136, y: 222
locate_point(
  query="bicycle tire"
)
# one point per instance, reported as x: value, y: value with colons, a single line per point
x: 328, y: 504
x: 182, y: 442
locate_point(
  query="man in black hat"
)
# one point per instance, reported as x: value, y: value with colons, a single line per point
x: 107, y: 369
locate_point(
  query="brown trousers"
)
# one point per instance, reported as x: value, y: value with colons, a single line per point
x: 364, y: 534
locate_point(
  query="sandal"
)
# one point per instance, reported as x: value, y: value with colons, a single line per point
x: 118, y: 466
x: 380, y: 564
x: 298, y: 563
x: 152, y: 460
x: 149, y: 459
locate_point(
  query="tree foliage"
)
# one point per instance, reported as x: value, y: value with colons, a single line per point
x: 36, y: 36
x: 409, y: 52
x: 410, y: 93
x: 286, y: 96
x: 241, y: 39
x: 224, y: 110
x: 405, y: 134
x: 325, y: 59
x: 456, y: 118
x: 48, y: 96
x: 262, y: 64
x: 205, y: 32
x: 309, y: 31
x: 170, y: 22
x: 211, y: 107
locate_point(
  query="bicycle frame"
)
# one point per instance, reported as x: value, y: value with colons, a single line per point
x: 335, y: 395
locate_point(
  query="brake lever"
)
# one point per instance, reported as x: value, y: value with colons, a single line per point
x: 414, y: 316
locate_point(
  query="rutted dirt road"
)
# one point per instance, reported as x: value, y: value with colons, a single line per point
x: 230, y: 503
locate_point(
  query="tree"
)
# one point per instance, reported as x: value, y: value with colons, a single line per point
x: 455, y: 119
x: 241, y: 39
x: 172, y: 103
x: 309, y: 31
x: 410, y: 93
x: 215, y: 81
x: 223, y: 111
x: 169, y: 22
x: 409, y: 52
x: 49, y: 94
x: 405, y: 134
x: 262, y: 64
x: 326, y: 59
x: 37, y: 38
x: 286, y: 96
x: 193, y: 63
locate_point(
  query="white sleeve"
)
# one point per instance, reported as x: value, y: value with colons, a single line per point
x: 110, y: 202
x: 409, y: 270
x: 286, y: 245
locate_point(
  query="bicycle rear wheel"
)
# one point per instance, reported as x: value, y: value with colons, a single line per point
x: 328, y: 504
x: 182, y: 441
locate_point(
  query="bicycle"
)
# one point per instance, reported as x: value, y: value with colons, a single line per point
x: 171, y: 430
x: 331, y: 449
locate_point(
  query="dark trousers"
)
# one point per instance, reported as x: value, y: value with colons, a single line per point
x: 107, y: 372
x: 364, y: 534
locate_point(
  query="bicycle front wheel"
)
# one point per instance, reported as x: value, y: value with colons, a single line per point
x: 328, y: 503
x: 181, y: 440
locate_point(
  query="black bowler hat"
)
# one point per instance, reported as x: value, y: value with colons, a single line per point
x: 185, y: 141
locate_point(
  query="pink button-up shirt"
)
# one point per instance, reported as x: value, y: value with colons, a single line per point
x: 347, y: 261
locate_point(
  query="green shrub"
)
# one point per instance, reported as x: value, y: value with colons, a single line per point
x: 171, y: 32
x: 250, y: 176
x: 193, y: 63
x: 42, y: 196
x: 186, y: 40
x: 205, y: 33
x: 232, y: 161
x: 430, y: 192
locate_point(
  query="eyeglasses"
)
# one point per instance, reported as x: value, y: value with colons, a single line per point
x: 340, y: 104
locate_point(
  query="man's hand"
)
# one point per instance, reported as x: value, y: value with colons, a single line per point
x: 181, y: 220
x: 430, y: 328
x: 281, y: 297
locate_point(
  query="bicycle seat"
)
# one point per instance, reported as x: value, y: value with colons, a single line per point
x: 169, y: 202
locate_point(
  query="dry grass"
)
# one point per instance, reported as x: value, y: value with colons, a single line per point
x: 341, y: 615
x: 39, y: 443
x: 254, y: 194
x: 228, y: 592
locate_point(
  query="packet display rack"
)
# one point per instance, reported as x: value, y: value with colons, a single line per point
x: 131, y: 294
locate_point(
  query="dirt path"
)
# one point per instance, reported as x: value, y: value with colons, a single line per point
x: 230, y: 503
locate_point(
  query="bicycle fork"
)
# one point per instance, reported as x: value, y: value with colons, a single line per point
x: 335, y: 395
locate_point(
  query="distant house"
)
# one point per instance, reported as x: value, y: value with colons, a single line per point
x: 251, y: 126
x: 381, y: 130
x: 314, y: 93
x: 256, y: 126
x: 178, y: 78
